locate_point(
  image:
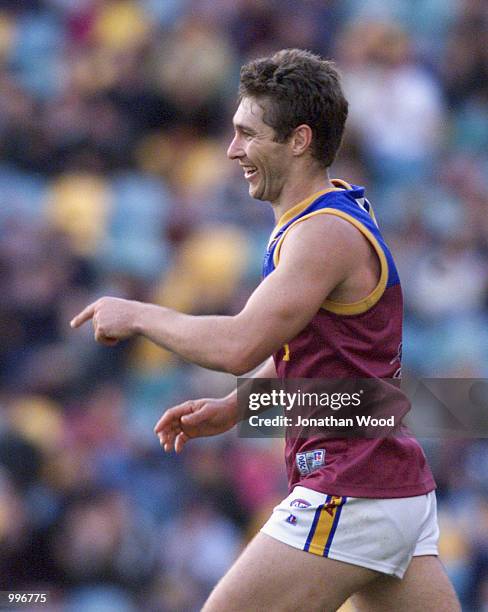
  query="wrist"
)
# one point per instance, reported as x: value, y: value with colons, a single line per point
x: 142, y: 313
x: 230, y: 403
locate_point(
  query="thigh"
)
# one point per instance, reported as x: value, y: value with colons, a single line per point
x: 273, y: 576
x: 425, y: 586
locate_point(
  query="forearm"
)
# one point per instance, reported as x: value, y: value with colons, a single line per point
x: 278, y: 310
x: 266, y: 370
x: 215, y: 342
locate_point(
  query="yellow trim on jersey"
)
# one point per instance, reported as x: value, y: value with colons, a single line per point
x: 347, y: 186
x: 371, y: 214
x: 324, y: 526
x: 340, y: 182
x: 297, y: 209
x: 370, y: 300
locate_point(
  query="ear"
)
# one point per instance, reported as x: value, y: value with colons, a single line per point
x: 301, y: 139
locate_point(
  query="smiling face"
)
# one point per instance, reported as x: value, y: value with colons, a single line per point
x: 264, y: 161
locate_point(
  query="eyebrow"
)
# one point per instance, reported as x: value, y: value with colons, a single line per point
x: 244, y: 128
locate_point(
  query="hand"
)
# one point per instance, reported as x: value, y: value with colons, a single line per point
x: 194, y: 419
x: 113, y: 319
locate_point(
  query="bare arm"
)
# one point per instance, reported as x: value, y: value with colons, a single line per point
x: 316, y: 257
x: 203, y: 417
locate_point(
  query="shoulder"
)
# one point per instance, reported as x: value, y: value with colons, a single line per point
x: 324, y: 234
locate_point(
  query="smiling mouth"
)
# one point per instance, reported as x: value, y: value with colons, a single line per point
x: 249, y: 171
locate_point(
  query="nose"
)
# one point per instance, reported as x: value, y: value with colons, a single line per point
x: 235, y: 149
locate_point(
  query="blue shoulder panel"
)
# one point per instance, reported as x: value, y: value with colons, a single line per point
x: 353, y: 203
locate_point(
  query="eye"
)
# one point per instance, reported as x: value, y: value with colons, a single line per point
x: 247, y: 134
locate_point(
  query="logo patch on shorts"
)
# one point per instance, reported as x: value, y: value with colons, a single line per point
x: 292, y: 519
x: 300, y: 503
x: 310, y: 461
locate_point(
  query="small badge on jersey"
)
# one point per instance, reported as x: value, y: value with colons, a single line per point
x: 310, y: 461
x: 292, y: 519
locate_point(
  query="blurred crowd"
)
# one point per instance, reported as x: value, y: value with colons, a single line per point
x: 115, y: 116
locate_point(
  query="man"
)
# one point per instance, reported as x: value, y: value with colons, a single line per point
x: 329, y: 306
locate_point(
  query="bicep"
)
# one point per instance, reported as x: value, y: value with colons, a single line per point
x: 315, y: 258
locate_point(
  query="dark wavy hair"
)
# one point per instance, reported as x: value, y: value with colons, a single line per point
x: 297, y: 87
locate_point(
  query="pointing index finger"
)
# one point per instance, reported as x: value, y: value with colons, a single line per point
x: 83, y: 316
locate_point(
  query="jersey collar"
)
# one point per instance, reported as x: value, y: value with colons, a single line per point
x: 301, y: 206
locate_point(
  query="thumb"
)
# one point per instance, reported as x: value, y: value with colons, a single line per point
x: 194, y: 418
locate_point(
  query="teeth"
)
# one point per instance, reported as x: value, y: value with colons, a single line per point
x: 249, y: 170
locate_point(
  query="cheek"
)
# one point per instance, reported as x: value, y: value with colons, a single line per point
x: 275, y: 166
x: 271, y: 162
x: 265, y: 161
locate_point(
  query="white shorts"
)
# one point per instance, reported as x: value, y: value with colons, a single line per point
x: 381, y: 534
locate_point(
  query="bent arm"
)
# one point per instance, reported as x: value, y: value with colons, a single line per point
x: 313, y: 262
x: 267, y: 370
x: 203, y: 417
x: 316, y: 257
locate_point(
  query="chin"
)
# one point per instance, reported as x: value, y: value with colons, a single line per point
x: 256, y: 194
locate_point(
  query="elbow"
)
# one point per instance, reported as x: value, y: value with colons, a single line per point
x: 244, y: 351
x: 240, y: 364
x: 237, y: 371
x: 237, y: 367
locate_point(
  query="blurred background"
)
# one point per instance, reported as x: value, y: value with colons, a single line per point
x: 114, y: 121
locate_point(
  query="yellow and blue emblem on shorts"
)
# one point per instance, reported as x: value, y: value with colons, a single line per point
x: 324, y: 525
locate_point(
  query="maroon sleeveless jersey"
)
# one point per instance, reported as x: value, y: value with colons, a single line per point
x: 358, y: 340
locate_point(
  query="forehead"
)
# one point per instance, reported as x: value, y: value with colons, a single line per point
x: 249, y: 113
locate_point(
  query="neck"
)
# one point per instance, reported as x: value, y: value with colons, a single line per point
x: 299, y: 188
